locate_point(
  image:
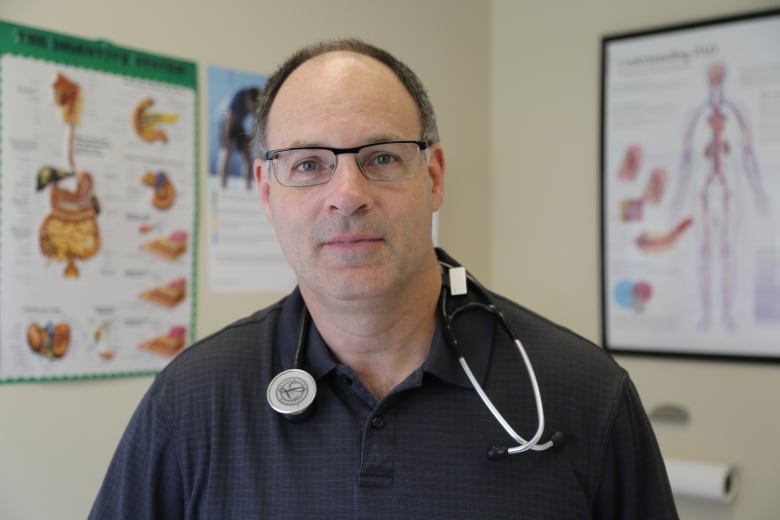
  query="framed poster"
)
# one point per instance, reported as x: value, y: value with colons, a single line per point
x: 690, y: 172
x: 98, y: 198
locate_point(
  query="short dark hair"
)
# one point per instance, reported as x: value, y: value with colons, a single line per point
x: 408, y: 78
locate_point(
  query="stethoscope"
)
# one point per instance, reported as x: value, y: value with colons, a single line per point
x: 291, y: 393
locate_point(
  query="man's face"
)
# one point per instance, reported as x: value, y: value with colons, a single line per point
x: 352, y: 238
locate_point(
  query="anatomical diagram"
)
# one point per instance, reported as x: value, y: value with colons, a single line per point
x: 70, y: 231
x: 49, y: 339
x: 724, y: 131
x: 147, y: 122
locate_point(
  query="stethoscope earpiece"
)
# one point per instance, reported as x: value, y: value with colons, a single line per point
x: 292, y: 393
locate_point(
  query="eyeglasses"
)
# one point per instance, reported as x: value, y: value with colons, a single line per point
x: 386, y: 161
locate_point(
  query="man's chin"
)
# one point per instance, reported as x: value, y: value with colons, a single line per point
x: 354, y: 284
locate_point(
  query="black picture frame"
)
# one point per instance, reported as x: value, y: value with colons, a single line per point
x: 690, y: 189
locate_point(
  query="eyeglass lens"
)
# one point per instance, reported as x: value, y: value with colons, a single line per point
x: 388, y: 162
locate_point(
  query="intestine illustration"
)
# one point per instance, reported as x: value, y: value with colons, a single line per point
x: 70, y: 231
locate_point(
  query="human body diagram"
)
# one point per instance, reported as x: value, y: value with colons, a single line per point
x: 719, y: 199
x: 70, y: 231
x: 708, y: 202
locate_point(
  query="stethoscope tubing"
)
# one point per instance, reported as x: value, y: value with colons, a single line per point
x: 522, y: 444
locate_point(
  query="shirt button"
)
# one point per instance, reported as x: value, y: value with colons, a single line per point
x: 377, y: 423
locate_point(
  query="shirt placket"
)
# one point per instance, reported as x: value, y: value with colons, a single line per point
x: 378, y: 424
x: 377, y: 467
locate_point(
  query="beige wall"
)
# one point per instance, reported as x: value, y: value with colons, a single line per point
x: 545, y: 139
x: 56, y: 438
x: 539, y: 69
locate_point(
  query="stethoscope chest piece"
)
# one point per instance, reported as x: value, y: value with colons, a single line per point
x: 292, y: 393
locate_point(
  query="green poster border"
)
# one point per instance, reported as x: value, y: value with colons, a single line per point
x: 101, y: 55
x: 95, y: 54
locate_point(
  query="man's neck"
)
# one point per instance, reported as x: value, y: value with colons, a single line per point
x: 384, y: 340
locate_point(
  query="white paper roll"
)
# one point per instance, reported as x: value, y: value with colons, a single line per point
x: 702, y: 480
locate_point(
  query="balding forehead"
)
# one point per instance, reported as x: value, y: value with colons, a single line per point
x: 335, y: 64
x: 340, y: 87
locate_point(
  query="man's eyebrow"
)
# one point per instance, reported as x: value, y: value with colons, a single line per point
x: 317, y: 144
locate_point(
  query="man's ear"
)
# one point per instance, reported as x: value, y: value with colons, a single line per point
x: 264, y: 187
x: 436, y: 167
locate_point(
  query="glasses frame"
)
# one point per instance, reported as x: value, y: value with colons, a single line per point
x: 271, y: 154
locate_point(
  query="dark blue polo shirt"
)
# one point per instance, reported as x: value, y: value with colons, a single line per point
x: 203, y: 443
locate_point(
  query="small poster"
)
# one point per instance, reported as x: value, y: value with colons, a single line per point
x: 244, y: 255
x: 98, y: 190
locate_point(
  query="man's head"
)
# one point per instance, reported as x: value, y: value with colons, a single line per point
x: 408, y: 78
x: 350, y: 238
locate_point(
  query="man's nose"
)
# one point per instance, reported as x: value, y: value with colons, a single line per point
x: 349, y: 188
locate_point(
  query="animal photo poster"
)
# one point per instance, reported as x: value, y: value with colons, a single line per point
x: 98, y: 195
x: 691, y: 189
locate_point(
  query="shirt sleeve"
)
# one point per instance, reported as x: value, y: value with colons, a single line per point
x: 634, y: 482
x: 144, y: 478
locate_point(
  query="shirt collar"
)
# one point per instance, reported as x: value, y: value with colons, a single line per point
x: 475, y: 332
x: 474, y: 329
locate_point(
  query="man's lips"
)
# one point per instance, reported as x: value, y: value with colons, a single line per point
x: 351, y: 240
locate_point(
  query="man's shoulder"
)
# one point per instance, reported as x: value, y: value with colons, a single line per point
x: 241, y: 331
x: 242, y: 345
x: 546, y: 338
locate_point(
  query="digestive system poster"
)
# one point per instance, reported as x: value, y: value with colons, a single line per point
x: 98, y: 207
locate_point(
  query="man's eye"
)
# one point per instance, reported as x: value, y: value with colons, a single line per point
x: 383, y: 159
x: 308, y: 166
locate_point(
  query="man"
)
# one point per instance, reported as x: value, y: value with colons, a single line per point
x: 233, y: 135
x: 350, y: 171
